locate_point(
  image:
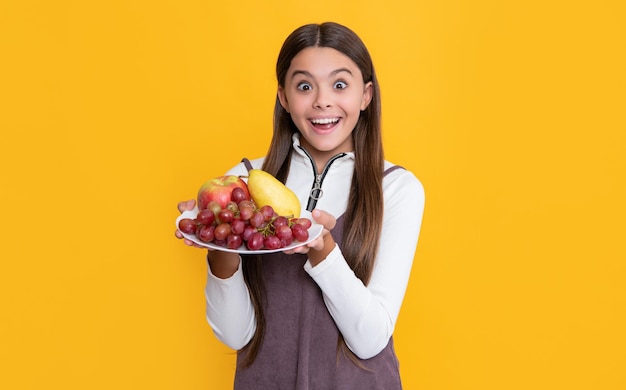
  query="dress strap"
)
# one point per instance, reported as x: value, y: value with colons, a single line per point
x: 247, y: 163
x: 391, y: 169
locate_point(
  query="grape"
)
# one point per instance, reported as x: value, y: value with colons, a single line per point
x: 187, y: 225
x: 246, y: 203
x: 304, y: 222
x: 237, y: 226
x: 271, y: 242
x: 225, y: 215
x: 245, y: 212
x: 257, y: 219
x: 300, y: 233
x: 205, y: 217
x: 222, y: 231
x: 214, y: 206
x: 233, y: 241
x: 232, y: 206
x: 283, y: 232
x: 238, y: 195
x: 268, y: 212
x: 287, y: 242
x: 206, y: 233
x: 255, y: 242
x: 280, y: 221
x: 247, y: 232
x: 241, y: 223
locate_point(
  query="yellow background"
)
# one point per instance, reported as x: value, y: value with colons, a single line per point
x: 510, y: 112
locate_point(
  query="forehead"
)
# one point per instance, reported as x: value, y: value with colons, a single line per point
x: 322, y: 62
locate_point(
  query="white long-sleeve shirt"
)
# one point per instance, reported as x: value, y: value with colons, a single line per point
x: 365, y: 315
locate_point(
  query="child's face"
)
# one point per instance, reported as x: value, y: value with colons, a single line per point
x: 324, y: 94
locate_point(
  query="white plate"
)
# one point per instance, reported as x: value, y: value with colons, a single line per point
x: 314, y: 231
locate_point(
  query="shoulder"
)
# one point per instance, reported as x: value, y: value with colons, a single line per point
x: 403, y: 193
x: 399, y: 178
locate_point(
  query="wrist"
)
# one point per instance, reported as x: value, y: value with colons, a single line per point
x: 223, y: 265
x: 317, y: 256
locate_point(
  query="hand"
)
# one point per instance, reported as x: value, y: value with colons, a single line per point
x: 186, y: 206
x: 319, y: 248
x: 222, y: 264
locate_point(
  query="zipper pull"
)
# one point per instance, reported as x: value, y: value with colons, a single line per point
x: 317, y: 192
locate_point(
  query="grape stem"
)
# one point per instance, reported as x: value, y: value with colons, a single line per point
x: 268, y: 229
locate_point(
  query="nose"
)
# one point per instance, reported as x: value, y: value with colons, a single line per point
x: 322, y: 99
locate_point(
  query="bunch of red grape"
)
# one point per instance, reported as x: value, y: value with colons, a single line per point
x: 241, y: 222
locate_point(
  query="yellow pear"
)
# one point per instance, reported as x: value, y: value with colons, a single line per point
x: 265, y: 189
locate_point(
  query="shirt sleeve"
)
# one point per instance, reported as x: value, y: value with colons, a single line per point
x: 366, y: 315
x: 229, y: 309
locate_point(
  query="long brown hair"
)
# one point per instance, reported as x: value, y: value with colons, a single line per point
x: 365, y: 210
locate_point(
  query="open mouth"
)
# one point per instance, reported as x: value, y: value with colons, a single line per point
x: 324, y: 123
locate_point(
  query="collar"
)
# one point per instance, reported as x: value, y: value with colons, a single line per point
x: 302, y: 155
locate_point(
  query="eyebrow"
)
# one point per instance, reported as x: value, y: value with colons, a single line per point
x: 308, y: 74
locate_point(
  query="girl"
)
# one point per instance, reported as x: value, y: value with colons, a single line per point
x: 321, y: 316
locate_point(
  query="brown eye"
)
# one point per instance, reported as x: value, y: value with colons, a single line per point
x: 304, y: 87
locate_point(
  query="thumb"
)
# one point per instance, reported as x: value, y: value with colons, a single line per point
x: 324, y: 218
x: 186, y: 205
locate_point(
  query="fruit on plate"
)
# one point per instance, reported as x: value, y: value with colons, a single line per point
x: 220, y: 190
x: 266, y: 190
x: 243, y: 225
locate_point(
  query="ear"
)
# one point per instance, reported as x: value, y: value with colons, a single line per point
x: 282, y: 98
x: 368, y: 90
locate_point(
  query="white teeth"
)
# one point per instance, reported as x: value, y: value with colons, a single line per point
x: 324, y: 121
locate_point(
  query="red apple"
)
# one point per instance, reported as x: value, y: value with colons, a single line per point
x: 220, y: 190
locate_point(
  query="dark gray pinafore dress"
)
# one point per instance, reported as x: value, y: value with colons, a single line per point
x: 299, y: 350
